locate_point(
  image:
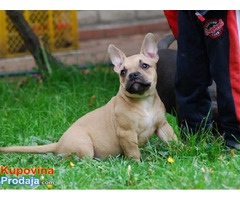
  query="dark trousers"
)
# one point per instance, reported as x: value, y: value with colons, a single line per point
x: 208, y: 50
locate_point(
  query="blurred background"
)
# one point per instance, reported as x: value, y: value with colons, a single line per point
x: 79, y: 37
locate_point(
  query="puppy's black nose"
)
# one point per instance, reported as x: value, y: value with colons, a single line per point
x: 134, y: 75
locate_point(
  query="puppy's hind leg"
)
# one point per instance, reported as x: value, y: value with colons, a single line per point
x: 81, y: 145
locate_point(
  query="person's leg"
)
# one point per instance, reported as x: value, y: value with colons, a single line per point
x: 192, y: 74
x: 222, y: 40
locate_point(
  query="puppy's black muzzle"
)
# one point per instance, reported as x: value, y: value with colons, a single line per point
x: 134, y: 75
x: 137, y: 84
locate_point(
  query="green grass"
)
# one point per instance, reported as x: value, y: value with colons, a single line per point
x: 33, y: 113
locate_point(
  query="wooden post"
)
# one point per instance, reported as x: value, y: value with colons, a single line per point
x: 31, y: 40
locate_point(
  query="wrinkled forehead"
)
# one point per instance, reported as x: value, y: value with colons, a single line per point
x: 136, y: 60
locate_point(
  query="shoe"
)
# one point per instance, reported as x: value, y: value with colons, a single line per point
x: 233, y: 144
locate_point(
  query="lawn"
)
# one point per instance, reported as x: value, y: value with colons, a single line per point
x: 34, y: 112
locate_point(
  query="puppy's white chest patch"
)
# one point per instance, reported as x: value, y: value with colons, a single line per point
x: 148, y: 118
x: 145, y: 128
x: 146, y: 124
x: 149, y: 122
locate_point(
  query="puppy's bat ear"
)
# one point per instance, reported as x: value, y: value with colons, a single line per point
x: 149, y: 47
x: 117, y: 57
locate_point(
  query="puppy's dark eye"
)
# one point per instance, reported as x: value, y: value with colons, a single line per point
x: 123, y: 72
x: 145, y: 66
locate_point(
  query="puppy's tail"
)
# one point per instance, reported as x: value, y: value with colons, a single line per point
x: 166, y: 42
x: 30, y: 149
